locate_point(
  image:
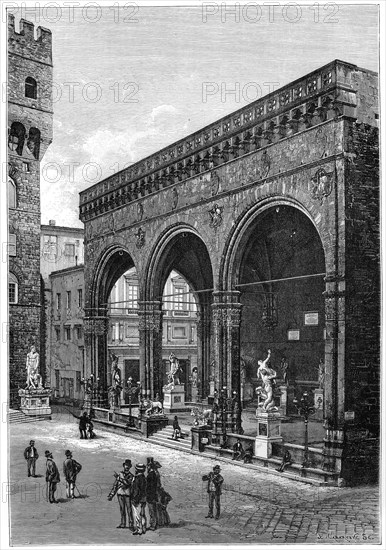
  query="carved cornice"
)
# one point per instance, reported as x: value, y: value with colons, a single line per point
x: 293, y: 108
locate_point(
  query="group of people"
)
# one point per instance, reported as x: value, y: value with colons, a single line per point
x: 135, y: 492
x: 71, y: 469
x: 86, y: 426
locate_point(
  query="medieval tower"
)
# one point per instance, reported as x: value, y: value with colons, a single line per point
x: 29, y: 135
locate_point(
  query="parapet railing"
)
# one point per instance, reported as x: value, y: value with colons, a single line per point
x: 305, y: 102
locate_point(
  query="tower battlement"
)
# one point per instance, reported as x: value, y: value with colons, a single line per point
x: 24, y: 43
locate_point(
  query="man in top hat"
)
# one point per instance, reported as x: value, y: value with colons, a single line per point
x: 31, y: 455
x: 52, y: 476
x: 71, y: 469
x: 138, y: 499
x: 122, y: 488
x: 153, y: 486
x: 215, y: 481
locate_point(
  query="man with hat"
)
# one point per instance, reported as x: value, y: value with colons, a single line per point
x: 138, y: 499
x: 52, y: 476
x: 71, y: 469
x: 215, y: 481
x: 153, y: 485
x: 122, y: 488
x: 31, y: 455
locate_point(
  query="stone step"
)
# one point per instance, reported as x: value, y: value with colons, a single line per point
x: 18, y: 417
x: 164, y: 437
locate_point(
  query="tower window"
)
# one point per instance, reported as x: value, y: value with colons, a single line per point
x: 30, y: 87
x: 17, y: 137
x: 11, y: 244
x: 12, y: 289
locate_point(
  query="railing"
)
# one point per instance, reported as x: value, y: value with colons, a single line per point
x: 297, y: 106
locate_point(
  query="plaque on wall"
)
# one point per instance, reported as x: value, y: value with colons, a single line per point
x: 311, y: 318
x: 293, y: 334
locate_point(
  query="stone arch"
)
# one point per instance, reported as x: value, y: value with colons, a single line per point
x: 181, y: 248
x: 109, y: 266
x: 275, y: 288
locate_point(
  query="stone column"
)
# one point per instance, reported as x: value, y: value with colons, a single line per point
x: 203, y: 348
x: 95, y: 334
x: 226, y: 317
x: 334, y: 379
x: 150, y: 347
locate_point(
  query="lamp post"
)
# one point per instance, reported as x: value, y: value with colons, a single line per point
x: 236, y: 408
x: 223, y: 407
x: 129, y: 390
x: 305, y: 408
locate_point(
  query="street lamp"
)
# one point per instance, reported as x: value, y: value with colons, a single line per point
x: 130, y: 394
x: 306, y: 409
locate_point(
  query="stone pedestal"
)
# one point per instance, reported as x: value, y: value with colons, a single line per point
x: 174, y: 399
x: 319, y: 403
x: 268, y: 432
x: 35, y: 402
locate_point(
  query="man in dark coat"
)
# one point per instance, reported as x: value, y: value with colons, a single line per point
x: 123, y: 487
x: 52, y: 476
x: 138, y: 500
x: 71, y: 469
x: 83, y: 425
x: 153, y: 485
x: 215, y: 481
x: 31, y: 455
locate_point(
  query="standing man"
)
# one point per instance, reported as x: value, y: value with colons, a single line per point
x: 153, y: 485
x: 52, y: 476
x: 123, y: 488
x: 237, y: 450
x: 71, y: 469
x: 215, y: 481
x: 83, y: 425
x: 139, y: 500
x: 31, y: 455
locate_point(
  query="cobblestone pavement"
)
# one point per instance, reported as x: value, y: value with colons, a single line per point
x: 257, y: 508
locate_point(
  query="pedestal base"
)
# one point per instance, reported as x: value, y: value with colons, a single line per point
x: 174, y: 399
x: 268, y: 432
x: 35, y: 402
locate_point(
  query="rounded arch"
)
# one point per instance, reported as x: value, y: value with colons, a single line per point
x: 111, y: 264
x: 235, y: 246
x: 182, y: 248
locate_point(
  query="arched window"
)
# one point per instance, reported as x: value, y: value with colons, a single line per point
x: 11, y: 194
x: 30, y: 87
x: 33, y: 142
x: 16, y: 137
x: 13, y: 289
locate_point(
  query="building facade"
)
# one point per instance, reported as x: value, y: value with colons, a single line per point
x: 265, y: 214
x: 60, y: 248
x: 29, y: 135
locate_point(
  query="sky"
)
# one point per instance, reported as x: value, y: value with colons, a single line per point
x: 131, y: 80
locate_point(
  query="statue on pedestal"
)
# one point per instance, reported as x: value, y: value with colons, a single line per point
x: 284, y: 369
x: 173, y: 374
x: 268, y: 377
x: 34, y: 379
x: 321, y: 374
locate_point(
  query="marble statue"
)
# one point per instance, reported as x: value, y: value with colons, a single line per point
x: 34, y: 379
x: 268, y: 377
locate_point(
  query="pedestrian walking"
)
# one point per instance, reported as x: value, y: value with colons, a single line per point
x: 71, y: 469
x: 215, y: 481
x: 52, y: 476
x: 83, y: 425
x: 31, y: 455
x: 123, y: 487
x: 139, y: 500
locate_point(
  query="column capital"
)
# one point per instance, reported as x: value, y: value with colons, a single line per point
x: 150, y: 315
x: 97, y: 325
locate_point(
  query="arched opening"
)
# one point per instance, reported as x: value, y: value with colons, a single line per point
x: 33, y: 142
x: 279, y: 269
x: 181, y: 280
x: 13, y: 289
x: 30, y: 87
x: 100, y: 316
x: 16, y: 137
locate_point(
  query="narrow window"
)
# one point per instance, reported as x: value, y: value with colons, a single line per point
x: 13, y: 289
x: 11, y: 194
x: 30, y: 87
x: 16, y: 137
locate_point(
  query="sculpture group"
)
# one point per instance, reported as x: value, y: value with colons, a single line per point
x: 34, y: 379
